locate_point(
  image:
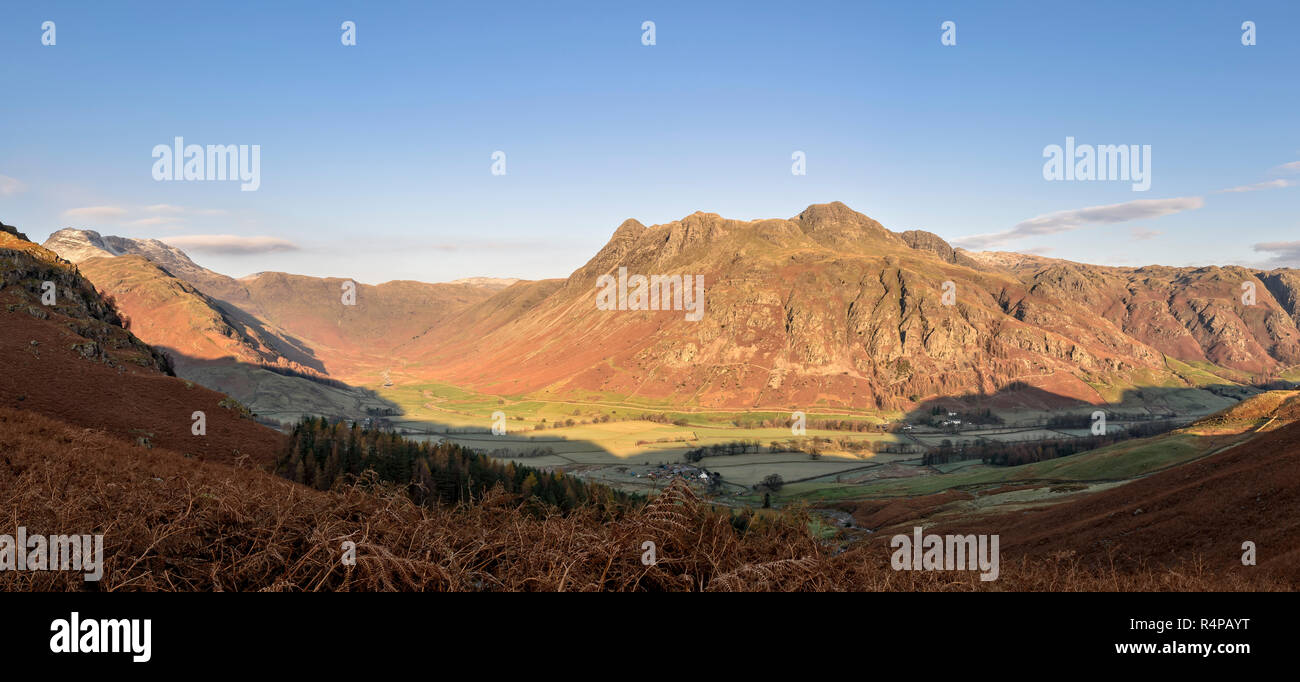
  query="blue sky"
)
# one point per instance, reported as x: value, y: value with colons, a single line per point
x: 376, y: 158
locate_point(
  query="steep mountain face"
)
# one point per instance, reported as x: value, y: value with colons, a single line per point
x: 830, y: 308
x: 176, y: 317
x: 72, y: 360
x: 13, y: 231
x: 928, y: 241
x: 271, y: 318
x: 1284, y: 286
x: 218, y: 345
x: 44, y: 287
x: 80, y: 245
x: 1192, y: 314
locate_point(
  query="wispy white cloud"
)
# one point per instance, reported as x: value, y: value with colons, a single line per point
x: 1065, y: 221
x: 1283, y: 254
x: 451, y: 245
x: 1270, y: 184
x: 230, y: 244
x: 1293, y: 167
x: 171, y: 209
x: 153, y: 215
x: 95, y: 212
x: 155, y: 221
x: 11, y: 186
x: 1142, y: 234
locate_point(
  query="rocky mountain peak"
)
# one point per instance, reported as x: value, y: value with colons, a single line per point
x: 13, y: 230
x: 835, y: 224
x: 929, y: 241
x: 78, y: 245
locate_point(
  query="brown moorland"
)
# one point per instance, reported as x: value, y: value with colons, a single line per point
x: 1205, y: 508
x: 176, y: 524
x: 73, y: 361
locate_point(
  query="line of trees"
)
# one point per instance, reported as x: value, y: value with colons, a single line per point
x: 735, y: 447
x: 855, y: 425
x: 813, y: 446
x: 1084, y: 420
x: 1028, y: 452
x: 323, y: 454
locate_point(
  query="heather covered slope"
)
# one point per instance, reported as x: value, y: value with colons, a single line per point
x: 829, y: 308
x: 73, y: 361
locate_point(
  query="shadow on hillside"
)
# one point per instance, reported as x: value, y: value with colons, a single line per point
x: 289, y: 347
x: 281, y: 395
x: 285, y: 397
x: 1039, y: 414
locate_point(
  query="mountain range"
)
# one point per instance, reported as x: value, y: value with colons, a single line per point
x: 827, y: 308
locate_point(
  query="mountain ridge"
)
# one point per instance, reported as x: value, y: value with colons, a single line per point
x: 827, y: 308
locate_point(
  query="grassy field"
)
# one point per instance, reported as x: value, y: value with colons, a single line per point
x: 1114, y: 463
x: 620, y: 442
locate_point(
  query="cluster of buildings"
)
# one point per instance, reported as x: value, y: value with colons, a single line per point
x: 692, y: 474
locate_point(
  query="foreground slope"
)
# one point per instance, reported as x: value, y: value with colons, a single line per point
x: 72, y: 360
x: 1196, y: 494
x: 1205, y: 509
x: 176, y: 524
